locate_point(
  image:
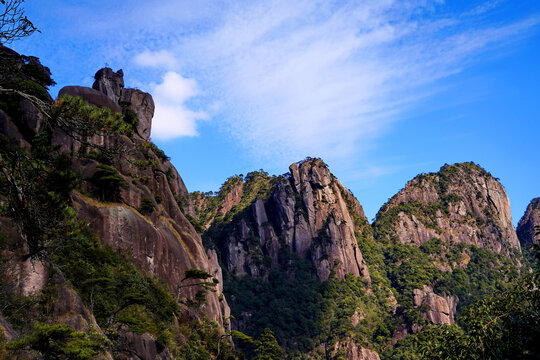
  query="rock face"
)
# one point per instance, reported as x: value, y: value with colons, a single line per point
x: 461, y: 203
x: 146, y: 215
x: 91, y: 96
x: 143, y: 106
x: 307, y: 212
x: 526, y: 231
x: 108, y: 91
x: 109, y: 83
x: 441, y: 309
x: 352, y: 351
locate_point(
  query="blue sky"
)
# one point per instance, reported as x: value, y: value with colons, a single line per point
x: 382, y: 90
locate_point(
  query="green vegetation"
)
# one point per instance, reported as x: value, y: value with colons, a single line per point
x: 108, y: 183
x: 504, y: 325
x: 60, y: 341
x: 147, y: 206
x: 150, y: 146
x: 79, y: 118
x: 268, y: 347
x: 255, y: 184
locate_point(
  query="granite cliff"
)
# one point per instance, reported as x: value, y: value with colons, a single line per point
x: 307, y: 213
x: 527, y: 227
x: 89, y: 154
x: 435, y: 247
x: 101, y: 241
x: 461, y: 203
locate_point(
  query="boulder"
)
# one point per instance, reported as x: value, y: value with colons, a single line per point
x: 143, y: 105
x: 109, y: 83
x: 442, y: 309
x: 91, y: 96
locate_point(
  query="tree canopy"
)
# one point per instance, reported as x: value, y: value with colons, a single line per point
x: 13, y: 23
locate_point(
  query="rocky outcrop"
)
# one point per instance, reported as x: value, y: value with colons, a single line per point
x: 109, y: 83
x: 526, y: 230
x: 142, y: 104
x: 440, y: 309
x: 308, y: 212
x: 108, y: 91
x: 91, y: 96
x: 350, y: 350
x: 142, y: 212
x: 461, y: 203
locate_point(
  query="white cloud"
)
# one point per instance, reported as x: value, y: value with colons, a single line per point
x: 172, y: 116
x: 318, y: 78
x: 160, y: 59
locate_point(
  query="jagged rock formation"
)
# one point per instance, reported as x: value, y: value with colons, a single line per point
x: 112, y: 84
x: 461, y: 203
x: 108, y: 91
x: 109, y: 83
x: 526, y: 230
x: 309, y: 213
x: 91, y: 96
x: 441, y: 309
x: 301, y: 227
x: 352, y: 351
x: 130, y: 195
x: 164, y: 243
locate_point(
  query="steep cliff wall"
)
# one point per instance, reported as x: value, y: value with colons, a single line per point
x: 126, y: 192
x: 526, y: 229
x: 441, y: 234
x: 289, y: 250
x: 307, y: 213
x: 461, y: 203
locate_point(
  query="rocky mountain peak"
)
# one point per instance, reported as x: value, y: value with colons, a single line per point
x: 128, y: 196
x: 109, y: 82
x: 108, y: 91
x: 460, y: 203
x: 526, y: 230
x: 306, y: 212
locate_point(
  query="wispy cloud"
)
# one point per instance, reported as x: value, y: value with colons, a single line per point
x: 160, y: 59
x: 319, y: 78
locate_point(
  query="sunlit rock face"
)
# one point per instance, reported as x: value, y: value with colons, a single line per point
x: 461, y: 203
x: 308, y: 212
x: 147, y: 216
x: 441, y: 309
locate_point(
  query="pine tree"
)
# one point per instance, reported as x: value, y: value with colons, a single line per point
x: 268, y: 347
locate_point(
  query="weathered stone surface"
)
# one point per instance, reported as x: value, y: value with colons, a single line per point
x: 109, y: 82
x: 143, y: 105
x: 442, y: 309
x: 68, y: 307
x: 132, y: 346
x: 161, y: 246
x: 6, y: 330
x: 232, y: 198
x: 526, y: 231
x: 310, y: 212
x: 352, y: 351
x: 462, y: 203
x: 91, y: 96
